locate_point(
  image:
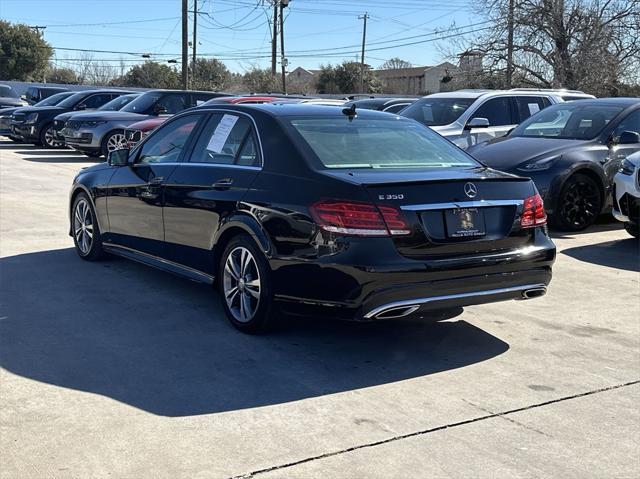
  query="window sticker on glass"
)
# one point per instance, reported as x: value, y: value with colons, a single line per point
x: 221, y: 133
x: 533, y: 108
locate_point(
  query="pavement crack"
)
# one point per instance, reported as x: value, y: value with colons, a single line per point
x: 502, y: 414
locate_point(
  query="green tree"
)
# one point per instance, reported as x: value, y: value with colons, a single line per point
x: 62, y: 75
x: 149, y: 75
x: 346, y: 78
x: 260, y: 80
x: 24, y: 55
x: 210, y: 74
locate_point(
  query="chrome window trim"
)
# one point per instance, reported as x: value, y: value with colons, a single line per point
x: 210, y: 165
x: 462, y: 204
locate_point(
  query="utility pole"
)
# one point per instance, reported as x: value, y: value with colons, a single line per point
x: 283, y: 60
x: 510, y: 44
x: 274, y: 39
x: 364, y: 41
x: 195, y: 28
x: 185, y: 45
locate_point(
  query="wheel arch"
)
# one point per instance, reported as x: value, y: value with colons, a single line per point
x: 77, y: 189
x: 235, y: 225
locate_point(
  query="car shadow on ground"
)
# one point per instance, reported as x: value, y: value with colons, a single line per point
x: 621, y: 254
x: 603, y: 223
x: 49, y: 151
x: 160, y: 343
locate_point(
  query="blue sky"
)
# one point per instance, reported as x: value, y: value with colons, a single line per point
x: 237, y: 31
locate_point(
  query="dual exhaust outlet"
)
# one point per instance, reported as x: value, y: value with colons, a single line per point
x: 405, y: 308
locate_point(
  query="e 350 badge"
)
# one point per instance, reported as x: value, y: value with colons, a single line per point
x: 391, y: 197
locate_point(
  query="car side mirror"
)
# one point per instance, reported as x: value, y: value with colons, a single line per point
x: 81, y: 106
x: 160, y: 110
x: 628, y: 138
x: 477, y: 123
x: 118, y: 157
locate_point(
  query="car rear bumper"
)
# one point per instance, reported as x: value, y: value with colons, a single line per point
x: 374, y: 291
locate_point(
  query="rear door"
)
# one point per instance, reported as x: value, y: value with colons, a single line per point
x: 205, y: 190
x: 135, y: 192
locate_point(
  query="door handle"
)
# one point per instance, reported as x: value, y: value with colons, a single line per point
x: 158, y: 180
x: 223, y: 184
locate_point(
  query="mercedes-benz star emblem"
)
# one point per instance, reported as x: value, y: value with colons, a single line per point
x: 470, y: 190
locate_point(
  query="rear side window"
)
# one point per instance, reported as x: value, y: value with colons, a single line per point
x: 173, y: 103
x: 198, y: 99
x: 166, y: 146
x: 96, y: 101
x: 497, y: 111
x: 395, y: 108
x: 530, y: 105
x: 226, y: 140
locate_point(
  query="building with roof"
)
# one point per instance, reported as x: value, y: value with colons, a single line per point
x: 417, y: 80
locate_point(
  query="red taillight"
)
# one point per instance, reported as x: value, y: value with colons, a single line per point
x: 533, y: 213
x: 359, y: 219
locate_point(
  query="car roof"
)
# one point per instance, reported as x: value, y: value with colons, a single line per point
x: 475, y: 94
x: 296, y: 109
x: 618, y: 101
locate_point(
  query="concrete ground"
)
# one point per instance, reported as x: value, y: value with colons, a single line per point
x: 115, y: 370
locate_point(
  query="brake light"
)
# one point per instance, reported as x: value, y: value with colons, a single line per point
x: 533, y: 214
x: 359, y: 219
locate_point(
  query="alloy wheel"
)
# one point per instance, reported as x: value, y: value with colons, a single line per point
x: 83, y: 226
x: 580, y: 204
x: 49, y: 138
x: 116, y: 142
x: 241, y: 284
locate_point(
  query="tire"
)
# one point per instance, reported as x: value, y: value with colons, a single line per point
x: 578, y: 205
x: 47, y: 138
x: 250, y: 308
x: 110, y: 141
x: 633, y: 229
x: 85, y: 230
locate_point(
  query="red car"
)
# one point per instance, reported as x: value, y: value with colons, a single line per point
x: 137, y: 131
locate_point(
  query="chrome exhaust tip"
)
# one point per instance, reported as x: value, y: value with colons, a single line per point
x: 534, y: 292
x: 397, y: 312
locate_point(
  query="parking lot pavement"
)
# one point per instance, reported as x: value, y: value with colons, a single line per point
x: 112, y: 369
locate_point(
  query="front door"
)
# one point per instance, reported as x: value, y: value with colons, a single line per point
x: 618, y: 151
x: 206, y: 188
x: 135, y: 192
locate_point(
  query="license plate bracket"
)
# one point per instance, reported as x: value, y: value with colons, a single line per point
x: 465, y: 223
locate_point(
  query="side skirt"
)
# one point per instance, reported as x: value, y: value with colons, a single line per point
x: 159, y: 263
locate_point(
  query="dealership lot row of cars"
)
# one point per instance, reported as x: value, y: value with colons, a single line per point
x: 265, y: 200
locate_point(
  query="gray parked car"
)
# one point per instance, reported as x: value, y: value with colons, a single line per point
x: 60, y: 121
x: 469, y: 117
x: 99, y: 132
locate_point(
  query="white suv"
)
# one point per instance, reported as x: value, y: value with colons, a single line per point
x: 468, y: 117
x: 626, y: 193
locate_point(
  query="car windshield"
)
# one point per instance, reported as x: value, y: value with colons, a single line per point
x: 378, y: 143
x: 54, y: 99
x: 117, y: 103
x: 7, y: 91
x: 573, y: 121
x: 72, y: 100
x: 437, y: 111
x: 143, y: 103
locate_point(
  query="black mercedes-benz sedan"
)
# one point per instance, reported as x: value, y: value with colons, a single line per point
x: 572, y: 151
x: 351, y: 214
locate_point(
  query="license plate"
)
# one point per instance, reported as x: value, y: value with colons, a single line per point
x: 465, y: 223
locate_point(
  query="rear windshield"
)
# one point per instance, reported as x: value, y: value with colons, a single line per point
x: 378, y: 143
x: 437, y: 111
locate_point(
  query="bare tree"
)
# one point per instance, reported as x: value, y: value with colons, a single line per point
x: 395, y: 64
x: 586, y: 44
